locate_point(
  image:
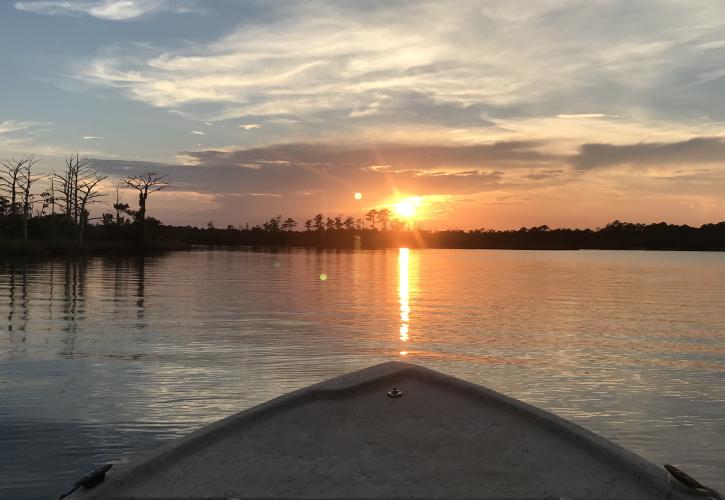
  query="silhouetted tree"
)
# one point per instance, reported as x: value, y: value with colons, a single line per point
x: 87, y: 193
x: 274, y: 224
x: 289, y: 224
x: 77, y: 171
x: 120, y: 208
x: 26, y: 182
x: 318, y: 222
x: 47, y: 200
x: 146, y: 183
x: 372, y: 217
x: 11, y: 176
x: 383, y: 217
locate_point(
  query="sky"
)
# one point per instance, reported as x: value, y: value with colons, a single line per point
x: 494, y: 114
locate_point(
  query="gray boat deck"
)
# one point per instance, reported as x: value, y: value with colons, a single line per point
x: 443, y: 438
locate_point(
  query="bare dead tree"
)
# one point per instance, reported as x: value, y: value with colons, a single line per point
x: 10, y: 180
x: 26, y: 181
x: 146, y: 183
x: 87, y: 193
x: 78, y: 170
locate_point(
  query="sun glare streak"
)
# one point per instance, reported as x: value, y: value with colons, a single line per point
x: 404, y: 292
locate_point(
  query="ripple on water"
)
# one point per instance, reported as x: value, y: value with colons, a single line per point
x: 104, y: 358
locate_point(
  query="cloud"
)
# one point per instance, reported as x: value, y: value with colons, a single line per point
x: 467, y: 181
x: 197, y: 132
x: 699, y: 150
x: 110, y: 10
x: 12, y: 126
x: 23, y: 137
x: 484, y: 99
x: 544, y: 175
x: 422, y: 62
x: 93, y: 137
x: 394, y: 157
x: 584, y: 115
x: 306, y: 178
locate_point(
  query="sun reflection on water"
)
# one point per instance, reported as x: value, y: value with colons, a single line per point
x: 404, y: 292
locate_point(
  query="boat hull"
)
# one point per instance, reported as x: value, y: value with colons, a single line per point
x: 347, y: 438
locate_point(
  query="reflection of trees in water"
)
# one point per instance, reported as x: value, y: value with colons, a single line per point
x: 19, y: 296
x: 140, y: 265
x: 24, y: 309
x: 61, y: 292
x: 74, y: 283
x: 17, y: 303
x: 127, y: 273
x: 11, y: 297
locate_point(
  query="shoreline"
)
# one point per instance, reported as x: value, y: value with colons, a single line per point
x: 41, y: 250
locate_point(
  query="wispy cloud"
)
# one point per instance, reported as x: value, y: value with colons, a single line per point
x: 10, y: 126
x: 573, y: 102
x: 25, y: 136
x: 93, y: 138
x: 576, y: 116
x: 422, y: 62
x: 110, y: 10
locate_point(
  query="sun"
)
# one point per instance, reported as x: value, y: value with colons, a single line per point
x: 407, y: 208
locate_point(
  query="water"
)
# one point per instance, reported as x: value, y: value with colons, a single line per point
x: 104, y: 358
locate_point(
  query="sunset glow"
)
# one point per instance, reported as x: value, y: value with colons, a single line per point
x: 621, y: 122
x: 407, y: 208
x: 207, y: 203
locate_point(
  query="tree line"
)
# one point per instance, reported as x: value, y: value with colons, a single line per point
x: 382, y: 217
x: 326, y: 233
x: 57, y: 205
x: 53, y: 211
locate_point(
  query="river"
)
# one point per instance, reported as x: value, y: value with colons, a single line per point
x: 103, y: 358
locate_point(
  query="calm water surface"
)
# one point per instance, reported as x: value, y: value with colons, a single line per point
x: 104, y: 358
